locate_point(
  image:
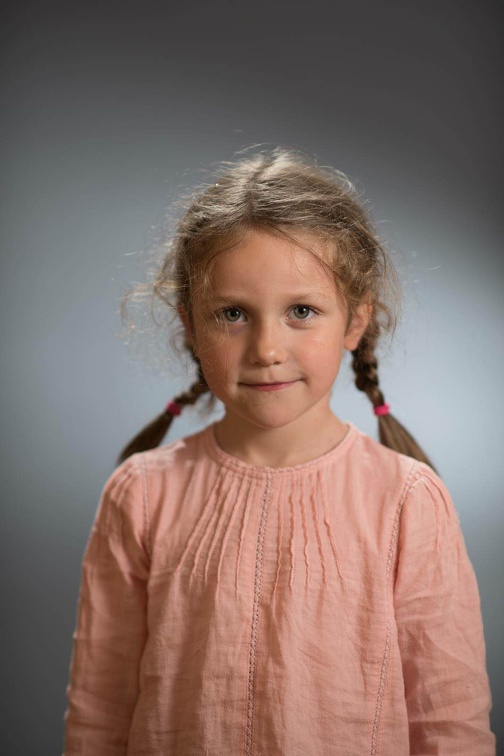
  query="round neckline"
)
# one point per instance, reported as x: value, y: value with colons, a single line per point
x: 224, y: 458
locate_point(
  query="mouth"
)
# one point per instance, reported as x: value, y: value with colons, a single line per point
x: 278, y: 386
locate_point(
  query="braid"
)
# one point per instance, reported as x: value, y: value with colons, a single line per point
x: 365, y: 366
x: 192, y: 395
x: 392, y: 433
x: 152, y: 434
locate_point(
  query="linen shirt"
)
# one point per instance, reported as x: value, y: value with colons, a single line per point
x: 324, y: 608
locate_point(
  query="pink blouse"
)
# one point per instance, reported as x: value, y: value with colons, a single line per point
x: 325, y: 608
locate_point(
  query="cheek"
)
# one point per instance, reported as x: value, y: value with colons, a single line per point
x: 324, y: 350
x: 217, y: 359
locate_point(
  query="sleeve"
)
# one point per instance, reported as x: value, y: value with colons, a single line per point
x: 111, y: 621
x: 440, y: 628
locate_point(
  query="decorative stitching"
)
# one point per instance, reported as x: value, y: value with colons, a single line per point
x: 386, y: 652
x: 146, y: 515
x: 255, y: 619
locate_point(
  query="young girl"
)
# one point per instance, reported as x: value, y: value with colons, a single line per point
x: 278, y: 583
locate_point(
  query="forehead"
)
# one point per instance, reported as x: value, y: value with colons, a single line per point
x: 261, y: 260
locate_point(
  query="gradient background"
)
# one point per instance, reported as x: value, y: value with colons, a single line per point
x: 111, y: 110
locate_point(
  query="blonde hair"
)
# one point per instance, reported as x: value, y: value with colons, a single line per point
x: 285, y: 191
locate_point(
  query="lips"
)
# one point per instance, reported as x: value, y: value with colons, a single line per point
x: 277, y: 386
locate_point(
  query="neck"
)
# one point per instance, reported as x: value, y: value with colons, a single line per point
x: 292, y: 444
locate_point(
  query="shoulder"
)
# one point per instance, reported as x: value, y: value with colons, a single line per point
x: 433, y: 569
x: 173, y: 459
x: 425, y: 521
x: 419, y: 496
x: 169, y: 460
x: 385, y: 470
x: 165, y: 465
x: 148, y: 484
x: 428, y: 510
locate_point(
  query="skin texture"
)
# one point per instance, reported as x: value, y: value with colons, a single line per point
x: 270, y: 331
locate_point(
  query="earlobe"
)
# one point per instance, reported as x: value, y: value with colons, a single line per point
x: 357, y: 327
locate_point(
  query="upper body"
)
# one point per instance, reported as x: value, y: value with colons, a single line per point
x: 279, y: 583
x: 326, y: 607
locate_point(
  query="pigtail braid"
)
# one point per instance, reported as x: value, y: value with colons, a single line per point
x: 152, y: 434
x: 392, y: 433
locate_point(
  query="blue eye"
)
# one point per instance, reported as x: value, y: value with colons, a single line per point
x: 232, y: 314
x: 302, y: 312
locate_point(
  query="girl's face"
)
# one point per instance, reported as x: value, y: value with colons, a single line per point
x: 270, y: 330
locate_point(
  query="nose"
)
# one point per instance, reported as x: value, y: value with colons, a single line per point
x: 267, y: 345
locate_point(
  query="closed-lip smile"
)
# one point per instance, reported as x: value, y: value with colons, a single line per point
x: 273, y: 386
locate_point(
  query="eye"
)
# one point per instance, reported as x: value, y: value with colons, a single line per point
x: 231, y: 314
x: 302, y: 312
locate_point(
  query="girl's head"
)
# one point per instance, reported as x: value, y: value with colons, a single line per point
x: 286, y: 198
x: 268, y: 327
x: 285, y: 193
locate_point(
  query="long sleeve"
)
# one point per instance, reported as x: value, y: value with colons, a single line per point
x: 440, y: 628
x: 111, y: 620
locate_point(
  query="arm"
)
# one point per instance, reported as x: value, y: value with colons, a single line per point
x: 111, y: 621
x: 440, y: 628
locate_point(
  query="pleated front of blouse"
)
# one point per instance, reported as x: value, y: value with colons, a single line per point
x: 269, y: 599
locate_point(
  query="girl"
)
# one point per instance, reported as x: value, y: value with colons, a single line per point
x: 278, y: 583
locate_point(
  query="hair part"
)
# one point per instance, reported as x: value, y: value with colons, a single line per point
x: 284, y: 192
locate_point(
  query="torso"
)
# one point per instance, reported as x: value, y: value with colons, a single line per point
x: 270, y: 614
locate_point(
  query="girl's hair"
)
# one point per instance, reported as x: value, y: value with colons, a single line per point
x: 284, y: 191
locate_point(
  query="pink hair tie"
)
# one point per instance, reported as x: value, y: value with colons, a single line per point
x: 383, y: 409
x: 172, y: 408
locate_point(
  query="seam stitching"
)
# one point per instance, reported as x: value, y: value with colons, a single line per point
x: 386, y: 652
x: 255, y: 619
x: 146, y: 518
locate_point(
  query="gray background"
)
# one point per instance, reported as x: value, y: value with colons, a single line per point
x: 111, y: 110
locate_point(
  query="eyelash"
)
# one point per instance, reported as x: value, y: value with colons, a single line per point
x: 221, y: 315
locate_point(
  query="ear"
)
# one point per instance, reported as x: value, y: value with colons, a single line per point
x: 186, y: 322
x: 358, y: 325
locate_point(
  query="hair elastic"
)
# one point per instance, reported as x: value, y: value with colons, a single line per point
x: 382, y: 409
x: 172, y: 408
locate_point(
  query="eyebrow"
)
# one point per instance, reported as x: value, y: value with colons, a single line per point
x: 296, y: 296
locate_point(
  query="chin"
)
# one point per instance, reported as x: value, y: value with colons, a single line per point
x: 270, y: 422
